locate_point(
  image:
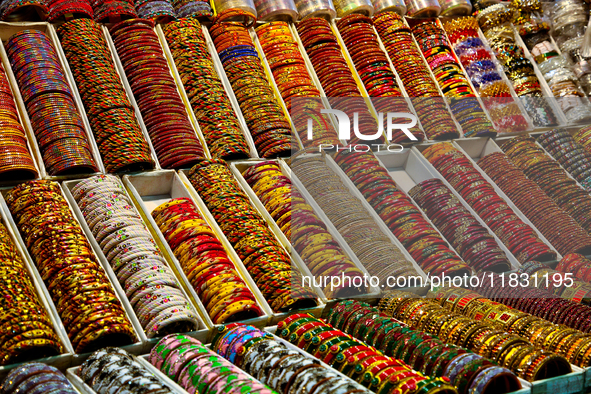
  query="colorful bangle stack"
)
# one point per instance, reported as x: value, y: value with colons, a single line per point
x: 50, y: 103
x: 114, y: 370
x: 16, y: 10
x: 470, y: 373
x: 84, y: 298
x: 482, y: 70
x: 353, y: 358
x: 294, y: 82
x: 16, y: 161
x: 422, y: 8
x: 538, y: 166
x: 197, y: 369
x: 525, y: 330
x: 159, y: 11
x: 378, y: 254
x: 36, y: 378
x: 460, y: 321
x: 272, y: 10
x: 334, y: 74
x: 374, y: 70
x: 68, y: 9
x: 113, y: 10
x: 264, y: 257
x: 192, y: 9
x: 316, y: 8
x: 552, y: 221
x: 538, y: 302
x: 397, y: 6
x: 472, y: 240
x: 273, y: 363
x: 264, y: 115
x: 209, y: 101
x: 155, y: 91
x: 452, y: 80
x: 572, y: 156
x: 223, y: 6
x: 205, y: 262
x: 348, y: 7
x: 308, y: 235
x: 402, y: 217
x: 519, y: 238
x: 416, y: 78
x: 149, y: 284
x: 555, y: 282
x: 31, y: 332
x: 121, y: 143
x: 583, y: 137
x: 576, y: 264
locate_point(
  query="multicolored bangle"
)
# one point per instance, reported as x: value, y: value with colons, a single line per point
x: 36, y: 378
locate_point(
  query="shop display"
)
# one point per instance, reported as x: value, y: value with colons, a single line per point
x: 347, y: 7
x: 37, y: 378
x: 273, y: 363
x: 205, y: 91
x: 83, y: 295
x: 315, y: 8
x: 577, y: 265
x: 377, y: 76
x: 63, y: 142
x: 415, y: 75
x: 397, y: 6
x: 150, y: 285
x: 113, y: 370
x: 424, y: 352
x: 552, y: 221
x: 519, y: 238
x: 196, y: 368
x: 380, y: 256
x: 113, y: 10
x: 19, y: 10
x: 402, y: 217
x: 111, y: 115
x: 364, y: 364
x: 482, y: 71
x: 305, y: 230
x: 205, y: 262
x: 16, y: 161
x: 294, y: 83
x: 264, y: 257
x: 159, y: 102
x: 262, y: 112
x: 271, y: 10
x: 33, y: 334
x: 472, y: 240
x: 193, y: 9
x: 492, y: 337
x: 572, y: 156
x: 335, y: 76
x: 538, y: 166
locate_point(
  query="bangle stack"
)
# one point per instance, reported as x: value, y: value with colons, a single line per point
x: 397, y: 6
x: 273, y: 10
x: 122, y: 144
x: 355, y: 359
x: 378, y: 254
x: 155, y: 91
x: 37, y: 378
x: 472, y: 240
x: 335, y: 76
x: 193, y: 366
x: 577, y: 265
x: 262, y: 111
x: 265, y: 259
x: 159, y: 11
x: 401, y: 216
x: 205, y: 262
x: 16, y: 10
x: 552, y: 221
x: 374, y: 70
x: 193, y: 9
x: 50, y: 103
x: 295, y: 83
x: 208, y: 99
x: 519, y: 238
x: 556, y: 283
x: 67, y: 9
x: 84, y: 297
x: 316, y: 9
x: 538, y: 166
x: 422, y: 351
x: 149, y: 284
x: 113, y: 10
x: 416, y: 78
x: 348, y: 7
x: 24, y: 317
